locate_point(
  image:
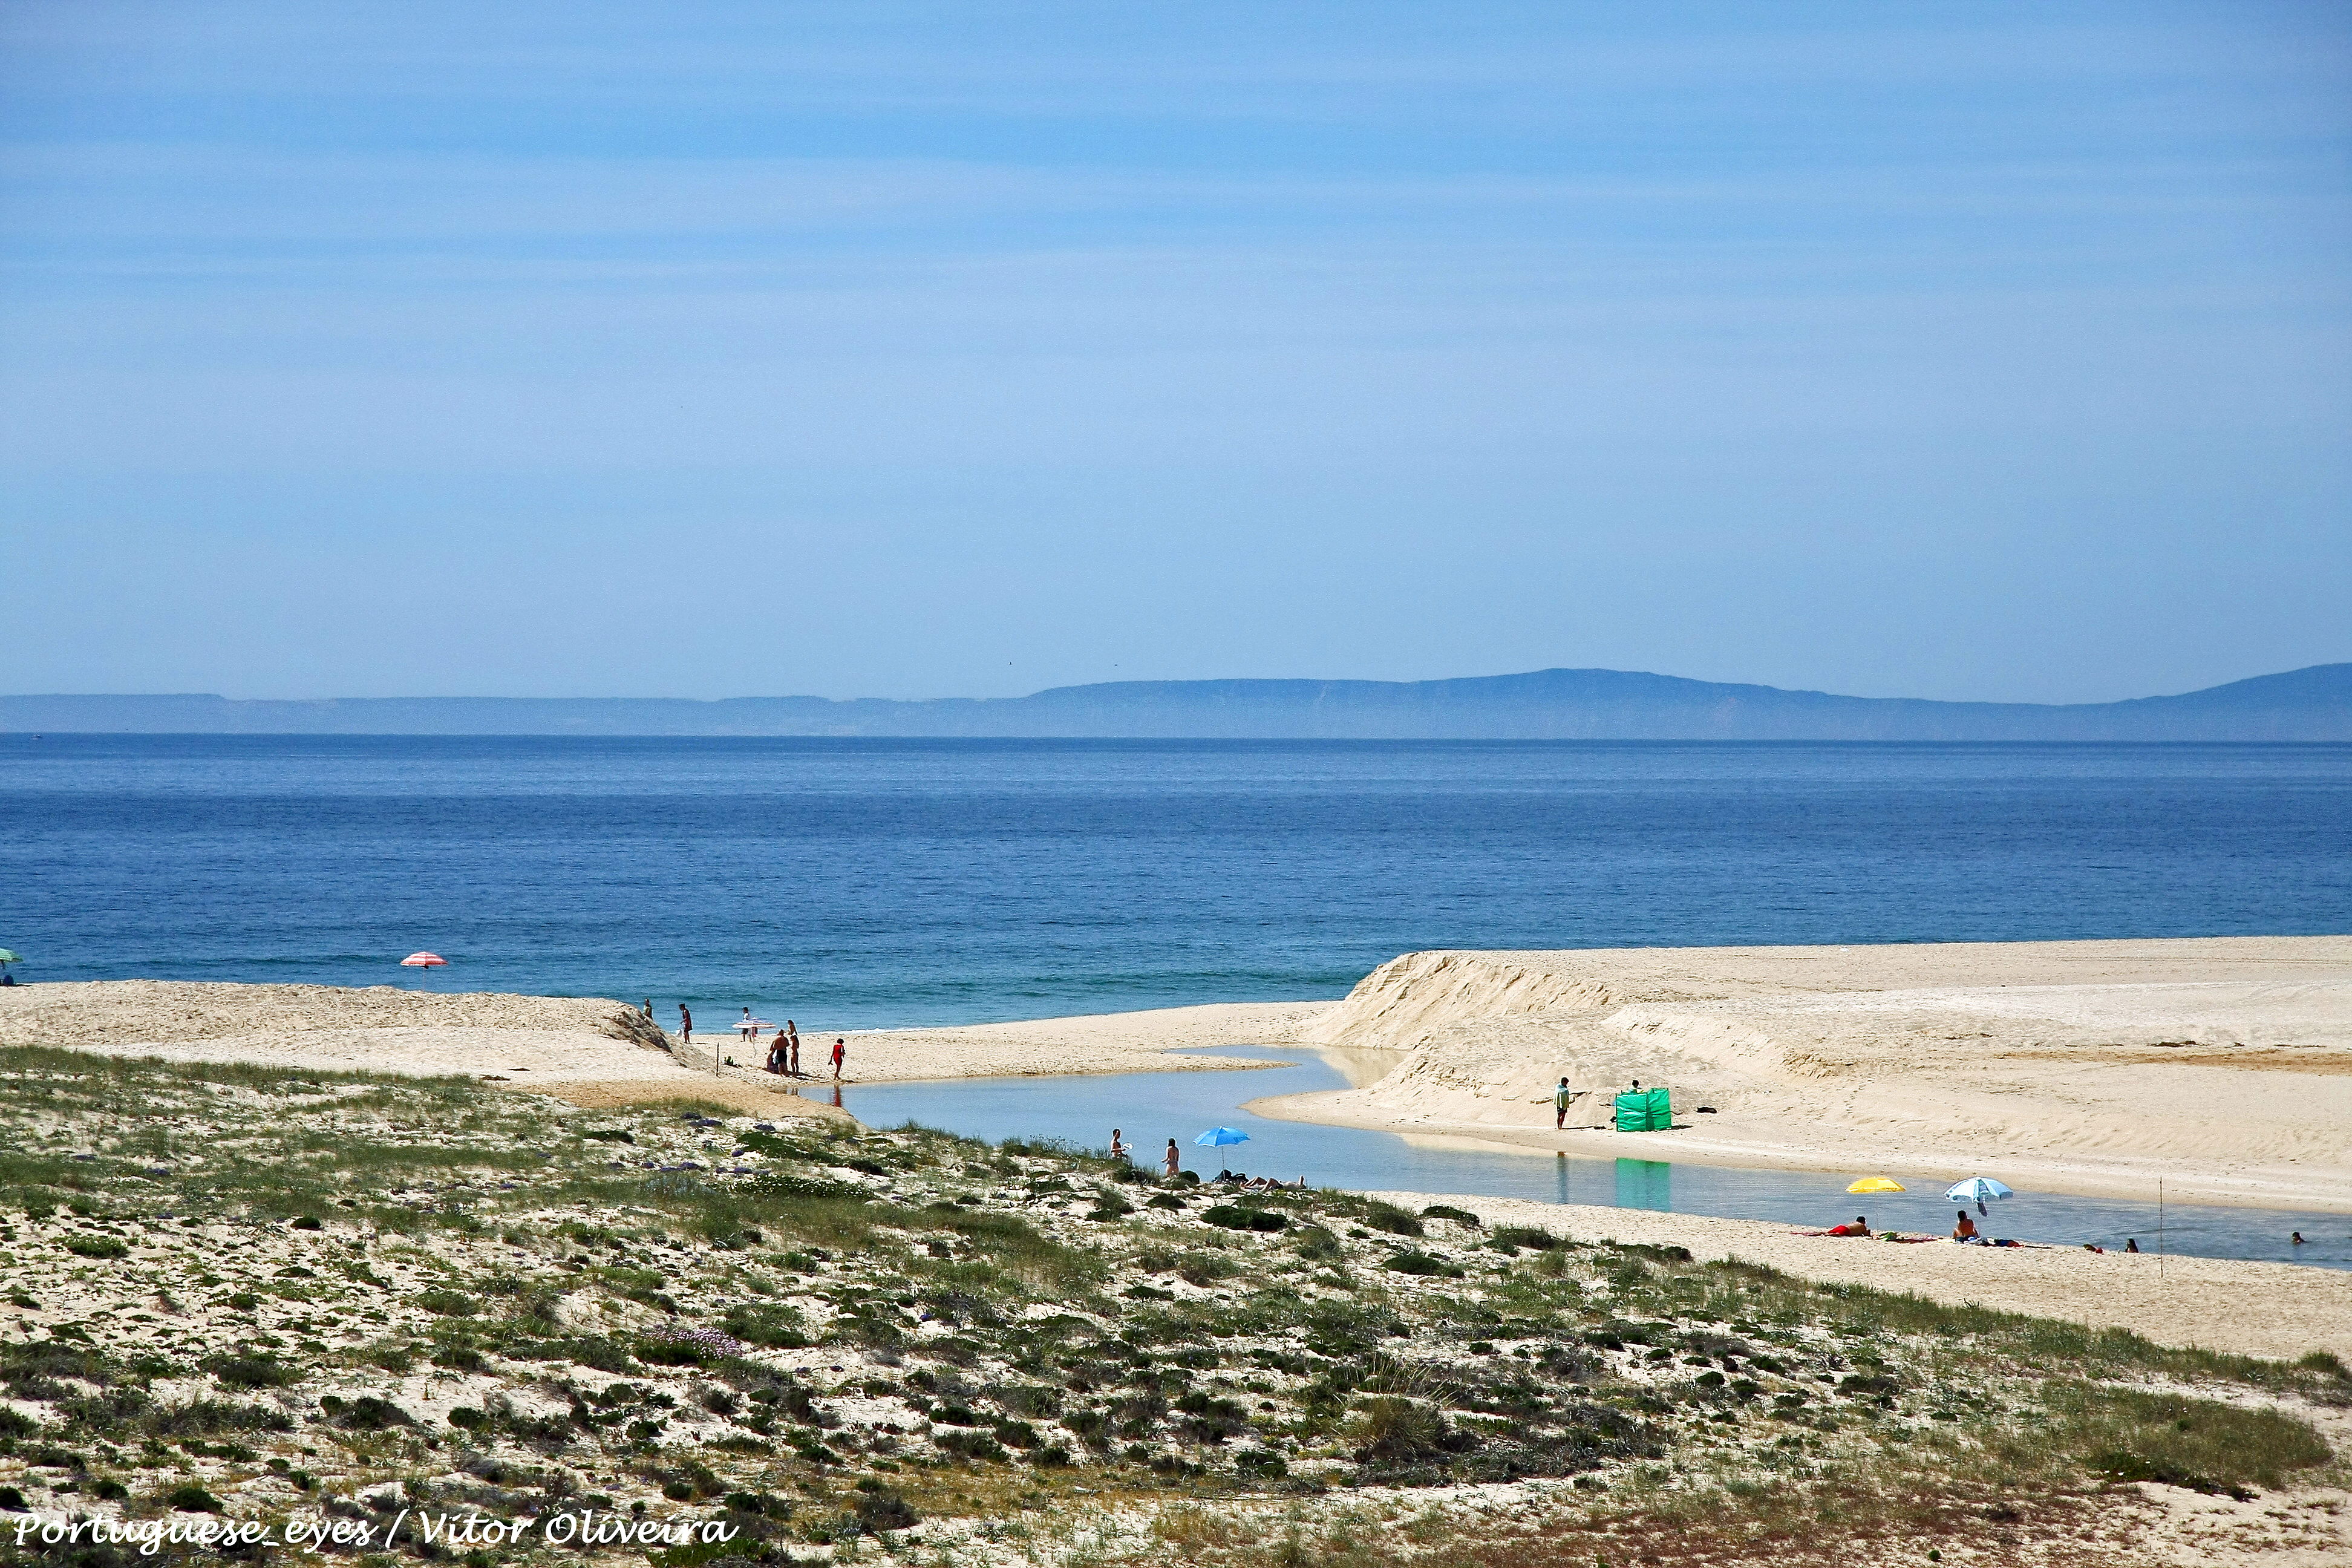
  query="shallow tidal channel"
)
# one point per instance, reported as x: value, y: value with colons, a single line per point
x: 1151, y: 1107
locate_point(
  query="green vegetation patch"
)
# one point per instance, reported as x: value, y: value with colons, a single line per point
x: 363, y: 1296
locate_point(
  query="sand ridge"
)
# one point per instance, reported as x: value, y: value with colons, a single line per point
x: 2223, y: 1064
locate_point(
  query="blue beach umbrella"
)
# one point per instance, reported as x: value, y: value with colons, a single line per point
x: 1216, y: 1135
x: 1977, y: 1190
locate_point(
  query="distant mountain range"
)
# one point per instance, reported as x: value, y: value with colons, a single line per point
x: 2314, y: 704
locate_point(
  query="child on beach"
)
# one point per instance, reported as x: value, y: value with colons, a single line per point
x: 792, y: 1052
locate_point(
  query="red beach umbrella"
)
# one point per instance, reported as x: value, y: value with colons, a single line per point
x: 424, y: 961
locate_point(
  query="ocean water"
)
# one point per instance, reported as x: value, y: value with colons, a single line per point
x: 854, y: 884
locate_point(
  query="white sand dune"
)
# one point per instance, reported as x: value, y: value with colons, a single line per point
x: 2223, y: 1065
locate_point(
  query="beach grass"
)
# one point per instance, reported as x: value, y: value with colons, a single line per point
x: 296, y: 1291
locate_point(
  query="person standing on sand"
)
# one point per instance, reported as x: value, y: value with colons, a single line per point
x: 1560, y: 1098
x: 840, y: 1049
x: 791, y: 1046
x: 684, y: 1025
x: 1175, y: 1158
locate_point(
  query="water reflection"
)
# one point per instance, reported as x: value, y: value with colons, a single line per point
x: 1645, y: 1185
x: 1154, y: 1107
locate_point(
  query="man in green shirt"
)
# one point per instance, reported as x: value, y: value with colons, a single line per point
x: 1560, y: 1098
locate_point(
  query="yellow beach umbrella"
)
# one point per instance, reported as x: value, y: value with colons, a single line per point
x: 1876, y: 1184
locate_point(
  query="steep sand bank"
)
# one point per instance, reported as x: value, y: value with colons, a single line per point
x: 2275, y: 1309
x: 2223, y: 1065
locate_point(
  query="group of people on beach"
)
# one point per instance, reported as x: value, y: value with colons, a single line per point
x: 783, y: 1052
x: 1966, y: 1232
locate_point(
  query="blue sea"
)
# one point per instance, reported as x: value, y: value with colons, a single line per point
x: 854, y: 884
x: 862, y: 883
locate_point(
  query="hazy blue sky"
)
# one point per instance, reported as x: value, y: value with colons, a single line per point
x: 1977, y: 350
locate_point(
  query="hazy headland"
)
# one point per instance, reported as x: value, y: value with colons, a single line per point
x: 2312, y: 704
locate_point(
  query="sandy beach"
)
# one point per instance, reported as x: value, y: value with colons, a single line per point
x: 1099, y: 1043
x: 585, y: 1051
x: 592, y: 1051
x: 2222, y: 1065
x: 2190, y: 1303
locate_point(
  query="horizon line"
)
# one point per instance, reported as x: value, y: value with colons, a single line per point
x: 1187, y: 680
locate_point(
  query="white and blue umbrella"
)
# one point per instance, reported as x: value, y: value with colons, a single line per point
x: 1977, y: 1190
x: 1216, y: 1135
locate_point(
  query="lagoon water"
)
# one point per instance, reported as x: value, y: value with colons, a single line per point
x: 855, y: 884
x: 1152, y: 1108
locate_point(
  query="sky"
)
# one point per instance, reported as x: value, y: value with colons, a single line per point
x: 1987, y: 350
